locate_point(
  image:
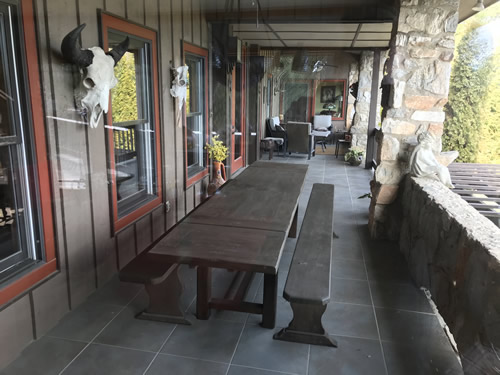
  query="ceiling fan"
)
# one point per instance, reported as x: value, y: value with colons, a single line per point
x: 319, y: 65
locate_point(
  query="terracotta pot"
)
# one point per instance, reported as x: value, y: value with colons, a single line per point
x: 219, y: 172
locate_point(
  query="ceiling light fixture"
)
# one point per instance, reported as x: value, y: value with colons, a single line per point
x: 479, y: 6
x: 319, y: 65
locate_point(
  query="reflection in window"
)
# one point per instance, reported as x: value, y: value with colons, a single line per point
x: 195, y: 114
x: 133, y: 125
x: 19, y: 231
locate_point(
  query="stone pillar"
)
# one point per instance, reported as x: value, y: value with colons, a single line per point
x: 359, y: 127
x: 351, y: 100
x: 418, y: 79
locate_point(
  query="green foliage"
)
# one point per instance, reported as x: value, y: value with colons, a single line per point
x: 471, y: 125
x: 217, y: 151
x: 124, y: 95
x: 354, y: 153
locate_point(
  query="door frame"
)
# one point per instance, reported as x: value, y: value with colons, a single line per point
x: 239, y: 162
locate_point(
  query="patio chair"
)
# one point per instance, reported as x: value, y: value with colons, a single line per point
x: 322, y: 125
x: 275, y: 130
x: 300, y: 138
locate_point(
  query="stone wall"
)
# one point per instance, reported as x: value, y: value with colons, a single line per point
x: 418, y: 80
x: 454, y: 251
x: 359, y: 127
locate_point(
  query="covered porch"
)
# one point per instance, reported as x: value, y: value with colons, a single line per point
x: 382, y: 322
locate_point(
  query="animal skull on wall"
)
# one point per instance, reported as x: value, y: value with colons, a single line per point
x: 96, y: 69
x: 179, y: 84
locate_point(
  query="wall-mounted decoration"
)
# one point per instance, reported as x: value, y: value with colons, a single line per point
x: 97, y: 74
x: 179, y: 84
x: 327, y: 94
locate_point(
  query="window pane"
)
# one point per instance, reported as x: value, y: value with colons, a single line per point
x: 195, y: 114
x: 133, y: 126
x: 124, y: 95
x: 13, y: 241
x: 194, y: 140
x: 6, y: 97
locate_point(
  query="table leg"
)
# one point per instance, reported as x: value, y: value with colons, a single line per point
x: 203, y: 293
x: 270, y: 300
x: 293, y: 229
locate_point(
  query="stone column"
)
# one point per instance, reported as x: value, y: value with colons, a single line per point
x: 359, y: 127
x: 351, y: 100
x: 418, y: 80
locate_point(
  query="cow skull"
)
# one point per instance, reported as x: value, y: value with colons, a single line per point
x: 179, y: 84
x: 96, y: 69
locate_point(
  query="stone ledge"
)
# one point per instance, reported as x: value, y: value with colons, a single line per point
x: 454, y: 252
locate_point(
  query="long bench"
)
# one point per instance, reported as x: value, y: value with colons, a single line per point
x: 162, y: 283
x: 307, y: 287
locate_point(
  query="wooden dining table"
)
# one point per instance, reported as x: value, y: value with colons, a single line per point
x: 243, y: 227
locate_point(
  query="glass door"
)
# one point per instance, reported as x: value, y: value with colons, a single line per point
x: 237, y: 117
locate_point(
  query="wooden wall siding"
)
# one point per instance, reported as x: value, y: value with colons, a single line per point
x: 88, y: 253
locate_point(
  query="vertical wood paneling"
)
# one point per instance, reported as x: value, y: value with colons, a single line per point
x: 205, y: 33
x: 168, y: 123
x: 73, y: 159
x: 116, y: 6
x: 177, y: 20
x: 196, y: 23
x: 158, y: 222
x: 190, y: 199
x: 143, y: 233
x: 187, y: 23
x: 50, y: 301
x: 135, y: 10
x: 126, y: 245
x: 16, y: 330
x: 152, y: 14
x: 50, y: 131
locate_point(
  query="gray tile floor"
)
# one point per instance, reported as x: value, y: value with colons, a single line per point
x: 382, y: 322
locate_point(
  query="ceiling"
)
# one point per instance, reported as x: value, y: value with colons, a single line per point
x: 320, y: 35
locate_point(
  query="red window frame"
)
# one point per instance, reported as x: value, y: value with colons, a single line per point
x: 111, y: 22
x: 49, y: 265
x: 201, y: 52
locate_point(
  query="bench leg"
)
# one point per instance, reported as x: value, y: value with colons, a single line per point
x: 292, y: 233
x: 164, y: 301
x: 306, y: 326
x: 270, y: 300
x: 204, y: 292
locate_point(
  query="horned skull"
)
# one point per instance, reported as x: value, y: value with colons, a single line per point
x: 96, y: 69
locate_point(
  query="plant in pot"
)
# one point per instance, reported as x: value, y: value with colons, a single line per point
x: 354, y: 155
x: 218, y: 153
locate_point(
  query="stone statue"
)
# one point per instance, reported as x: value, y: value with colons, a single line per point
x: 424, y: 160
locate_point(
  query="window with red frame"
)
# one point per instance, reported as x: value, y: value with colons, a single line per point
x: 196, y: 129
x: 133, y: 122
x: 27, y: 252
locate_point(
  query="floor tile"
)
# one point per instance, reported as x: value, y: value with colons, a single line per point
x: 400, y: 296
x: 350, y: 291
x: 416, y: 360
x: 99, y: 359
x: 348, y: 269
x: 166, y: 364
x: 115, y: 292
x: 45, y: 356
x: 351, y: 357
x: 127, y: 331
x: 212, y: 340
x: 411, y: 328
x: 258, y: 349
x: 345, y: 319
x: 85, y: 322
x: 242, y: 370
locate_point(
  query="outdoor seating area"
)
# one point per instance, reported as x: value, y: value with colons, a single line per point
x: 381, y: 322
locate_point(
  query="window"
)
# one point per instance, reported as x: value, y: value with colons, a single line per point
x: 133, y: 123
x: 196, y: 129
x: 26, y: 239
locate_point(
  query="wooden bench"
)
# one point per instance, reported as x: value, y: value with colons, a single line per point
x: 307, y: 287
x: 163, y: 286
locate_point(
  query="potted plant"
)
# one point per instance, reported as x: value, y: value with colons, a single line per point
x: 354, y: 155
x: 218, y: 153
